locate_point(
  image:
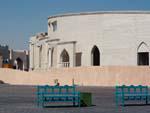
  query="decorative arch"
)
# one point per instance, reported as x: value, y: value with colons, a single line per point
x: 143, y: 47
x: 64, y: 58
x: 95, y: 53
x: 143, y: 54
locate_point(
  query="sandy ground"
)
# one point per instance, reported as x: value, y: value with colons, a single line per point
x: 21, y: 99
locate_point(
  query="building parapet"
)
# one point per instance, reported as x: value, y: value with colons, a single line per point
x: 99, y: 12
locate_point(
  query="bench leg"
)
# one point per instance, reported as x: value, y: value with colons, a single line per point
x: 74, y: 103
x: 38, y: 103
x: 43, y: 99
x: 79, y: 103
x: 117, y: 101
x: 122, y: 101
x: 146, y: 100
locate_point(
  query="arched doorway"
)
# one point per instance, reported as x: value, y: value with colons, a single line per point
x: 95, y: 56
x: 64, y: 58
x: 19, y: 64
x: 143, y: 54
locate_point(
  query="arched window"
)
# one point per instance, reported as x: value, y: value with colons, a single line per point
x: 143, y: 54
x: 95, y: 56
x: 64, y: 58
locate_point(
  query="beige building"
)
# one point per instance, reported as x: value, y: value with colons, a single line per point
x: 112, y: 38
x: 1, y: 60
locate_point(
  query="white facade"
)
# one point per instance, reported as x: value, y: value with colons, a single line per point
x: 99, y: 38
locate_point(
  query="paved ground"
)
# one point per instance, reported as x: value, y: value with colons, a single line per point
x: 21, y: 99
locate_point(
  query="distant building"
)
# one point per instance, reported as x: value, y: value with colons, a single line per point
x: 93, y: 39
x: 19, y: 59
x: 1, y: 61
x: 4, y: 51
x: 14, y: 59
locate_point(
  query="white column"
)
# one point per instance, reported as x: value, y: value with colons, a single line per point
x: 23, y: 67
x: 11, y: 54
x: 149, y: 58
x: 49, y: 57
x: 32, y: 56
x: 74, y: 54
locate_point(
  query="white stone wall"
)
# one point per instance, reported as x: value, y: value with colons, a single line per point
x: 117, y: 35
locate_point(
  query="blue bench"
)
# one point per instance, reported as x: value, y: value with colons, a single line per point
x: 125, y: 93
x: 47, y: 95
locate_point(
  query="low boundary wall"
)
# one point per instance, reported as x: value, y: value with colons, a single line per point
x: 86, y: 76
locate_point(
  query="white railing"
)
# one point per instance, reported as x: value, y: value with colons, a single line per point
x: 64, y: 64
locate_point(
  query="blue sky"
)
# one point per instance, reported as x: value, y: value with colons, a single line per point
x: 20, y: 19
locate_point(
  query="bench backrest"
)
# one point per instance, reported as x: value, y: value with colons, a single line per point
x: 56, y: 89
x: 131, y: 89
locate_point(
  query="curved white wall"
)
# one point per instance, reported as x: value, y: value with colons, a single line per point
x: 116, y: 34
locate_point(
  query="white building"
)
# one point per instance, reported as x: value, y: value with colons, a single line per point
x: 98, y: 38
x: 19, y: 59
